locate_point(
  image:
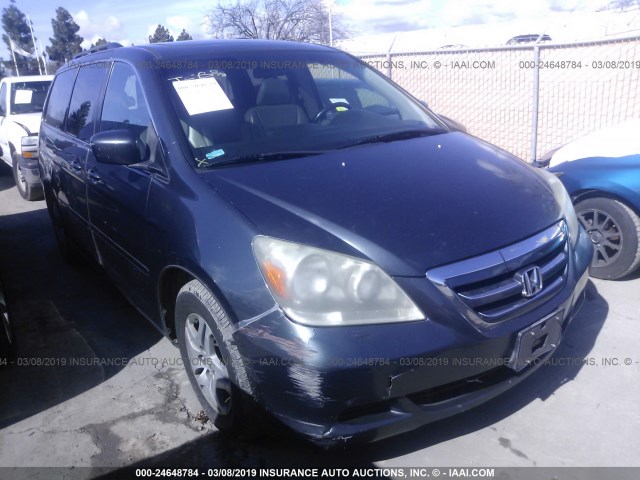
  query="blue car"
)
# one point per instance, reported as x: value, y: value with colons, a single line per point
x: 336, y: 258
x: 601, y: 172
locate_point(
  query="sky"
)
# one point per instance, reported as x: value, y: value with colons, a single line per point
x: 132, y: 21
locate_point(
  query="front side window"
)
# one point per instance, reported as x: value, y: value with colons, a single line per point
x: 256, y: 105
x: 84, y: 101
x: 124, y: 104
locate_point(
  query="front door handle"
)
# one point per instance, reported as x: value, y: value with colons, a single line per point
x: 75, y: 166
x: 51, y: 145
x: 93, y: 176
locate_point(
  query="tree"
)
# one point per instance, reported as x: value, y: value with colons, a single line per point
x: 100, y: 41
x: 299, y: 20
x: 183, y: 36
x: 78, y: 118
x: 161, y: 35
x: 66, y: 41
x: 16, y: 28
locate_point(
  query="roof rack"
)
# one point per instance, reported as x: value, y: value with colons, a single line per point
x: 99, y: 48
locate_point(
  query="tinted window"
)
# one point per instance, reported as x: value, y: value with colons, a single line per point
x: 124, y: 104
x: 59, y: 98
x: 84, y: 100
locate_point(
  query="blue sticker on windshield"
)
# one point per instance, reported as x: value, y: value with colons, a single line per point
x: 214, y: 154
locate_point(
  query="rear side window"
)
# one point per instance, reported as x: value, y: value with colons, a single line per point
x: 59, y: 98
x: 84, y: 101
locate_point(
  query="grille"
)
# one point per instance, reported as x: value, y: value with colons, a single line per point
x: 488, y: 285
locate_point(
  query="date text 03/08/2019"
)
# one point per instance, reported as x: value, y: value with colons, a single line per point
x: 373, y: 472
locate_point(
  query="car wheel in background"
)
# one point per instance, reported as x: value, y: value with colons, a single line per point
x: 214, y: 366
x: 615, y: 232
x: 24, y: 189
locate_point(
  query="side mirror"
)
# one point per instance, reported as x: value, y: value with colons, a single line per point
x: 116, y: 147
x: 452, y: 124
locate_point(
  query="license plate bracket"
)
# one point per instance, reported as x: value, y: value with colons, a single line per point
x: 536, y: 340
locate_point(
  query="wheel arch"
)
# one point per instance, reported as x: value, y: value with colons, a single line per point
x: 586, y: 194
x: 171, y: 279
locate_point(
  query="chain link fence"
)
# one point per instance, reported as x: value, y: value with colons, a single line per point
x: 525, y: 99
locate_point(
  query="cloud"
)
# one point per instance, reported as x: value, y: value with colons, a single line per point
x: 176, y: 23
x: 394, y: 25
x: 91, y: 29
x: 151, y: 28
x: 381, y: 16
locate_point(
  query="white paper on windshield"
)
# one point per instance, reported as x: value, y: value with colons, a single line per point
x: 23, y: 96
x: 202, y: 95
x: 339, y: 100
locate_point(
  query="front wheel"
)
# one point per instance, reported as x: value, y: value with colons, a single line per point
x: 614, y: 230
x: 214, y: 366
x: 26, y: 191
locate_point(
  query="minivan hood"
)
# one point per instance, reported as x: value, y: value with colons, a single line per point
x: 407, y: 205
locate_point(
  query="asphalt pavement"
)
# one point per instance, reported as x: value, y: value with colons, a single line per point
x: 95, y: 385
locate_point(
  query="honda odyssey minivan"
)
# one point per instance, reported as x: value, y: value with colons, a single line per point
x: 338, y: 259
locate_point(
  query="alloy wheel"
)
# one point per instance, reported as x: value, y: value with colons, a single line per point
x: 207, y: 364
x: 21, y: 180
x: 605, y: 235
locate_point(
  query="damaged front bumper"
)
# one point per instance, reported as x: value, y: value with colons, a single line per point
x: 369, y: 382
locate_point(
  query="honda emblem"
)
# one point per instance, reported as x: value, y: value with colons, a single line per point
x: 531, y: 281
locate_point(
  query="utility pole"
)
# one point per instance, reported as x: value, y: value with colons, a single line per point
x: 44, y: 60
x: 35, y: 47
x: 13, y: 54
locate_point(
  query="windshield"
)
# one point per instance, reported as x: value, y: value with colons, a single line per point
x: 28, y: 97
x: 257, y: 106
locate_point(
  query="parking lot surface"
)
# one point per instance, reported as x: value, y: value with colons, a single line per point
x: 95, y: 385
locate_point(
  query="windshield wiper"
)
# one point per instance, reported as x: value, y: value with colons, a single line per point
x: 260, y: 157
x: 394, y: 136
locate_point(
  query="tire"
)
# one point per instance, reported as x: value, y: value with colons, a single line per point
x: 615, y: 232
x: 26, y: 191
x: 204, y: 334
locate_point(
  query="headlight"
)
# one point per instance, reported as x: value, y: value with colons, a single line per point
x: 566, y: 206
x: 321, y: 288
x: 29, y: 145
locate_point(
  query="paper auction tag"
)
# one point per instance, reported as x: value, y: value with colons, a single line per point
x: 23, y: 96
x: 202, y: 95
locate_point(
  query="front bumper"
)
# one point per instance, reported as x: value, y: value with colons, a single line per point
x: 366, y: 383
x: 30, y: 170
